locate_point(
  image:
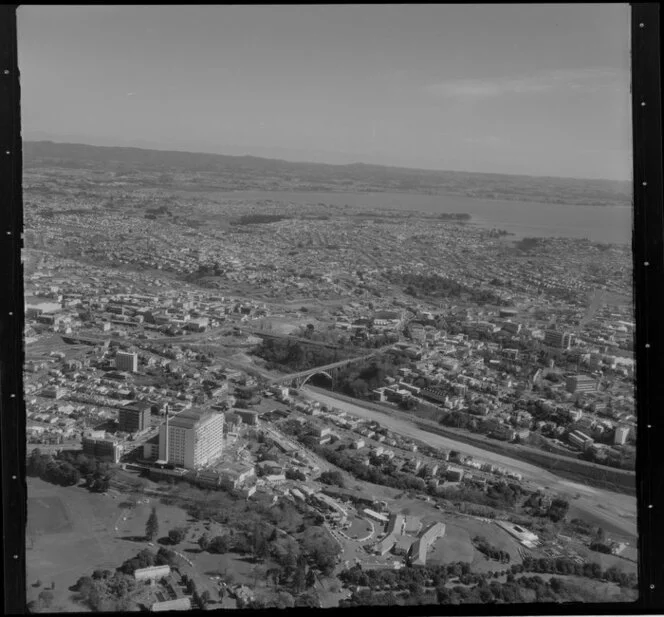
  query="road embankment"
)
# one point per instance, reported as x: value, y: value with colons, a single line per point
x: 577, y: 470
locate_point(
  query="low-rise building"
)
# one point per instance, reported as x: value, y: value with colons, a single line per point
x: 419, y: 549
x: 179, y: 604
x: 152, y: 574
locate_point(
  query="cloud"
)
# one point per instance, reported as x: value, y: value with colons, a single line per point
x: 588, y: 80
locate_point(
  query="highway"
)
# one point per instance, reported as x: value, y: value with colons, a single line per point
x: 616, y: 511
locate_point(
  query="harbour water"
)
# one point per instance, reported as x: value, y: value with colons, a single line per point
x: 608, y: 224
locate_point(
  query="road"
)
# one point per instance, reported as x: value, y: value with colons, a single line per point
x: 616, y: 510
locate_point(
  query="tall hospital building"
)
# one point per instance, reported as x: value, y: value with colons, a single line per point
x: 192, y: 439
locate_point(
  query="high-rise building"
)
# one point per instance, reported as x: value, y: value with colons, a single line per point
x: 125, y: 361
x: 621, y: 434
x: 192, y: 439
x: 559, y: 340
x: 134, y: 418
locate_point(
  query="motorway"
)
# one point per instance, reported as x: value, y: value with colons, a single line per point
x: 616, y: 511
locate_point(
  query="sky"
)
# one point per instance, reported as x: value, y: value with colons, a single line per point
x: 517, y: 89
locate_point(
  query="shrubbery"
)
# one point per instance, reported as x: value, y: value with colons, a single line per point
x: 67, y: 469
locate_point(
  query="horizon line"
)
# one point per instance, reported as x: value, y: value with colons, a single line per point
x: 354, y: 164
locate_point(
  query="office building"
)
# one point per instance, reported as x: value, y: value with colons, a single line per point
x: 192, y: 439
x: 125, y: 361
x: 558, y: 340
x: 581, y: 383
x: 134, y: 418
x: 103, y: 448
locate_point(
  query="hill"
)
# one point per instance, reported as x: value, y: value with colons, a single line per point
x: 249, y: 172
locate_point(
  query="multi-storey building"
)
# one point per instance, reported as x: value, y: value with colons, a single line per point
x: 125, y: 361
x: 419, y: 549
x: 192, y: 439
x: 106, y: 448
x: 621, y: 435
x: 134, y: 418
x: 557, y: 339
x: 581, y: 383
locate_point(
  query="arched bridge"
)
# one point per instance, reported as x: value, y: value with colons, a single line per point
x: 297, y: 380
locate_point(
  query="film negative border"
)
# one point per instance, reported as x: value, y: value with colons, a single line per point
x: 648, y: 255
x: 12, y: 411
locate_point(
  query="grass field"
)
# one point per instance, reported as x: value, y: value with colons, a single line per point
x: 48, y: 515
x: 359, y: 528
x: 71, y: 532
x: 454, y: 546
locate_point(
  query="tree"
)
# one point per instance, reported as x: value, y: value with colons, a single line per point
x: 152, y: 525
x: 284, y: 600
x: 177, y: 535
x: 295, y: 474
x: 46, y: 598
x: 408, y: 403
x: 332, y: 477
x: 205, y: 598
x: 558, y: 509
x: 219, y: 545
x: 320, y: 548
x: 204, y: 542
x: 299, y: 579
x: 273, y: 574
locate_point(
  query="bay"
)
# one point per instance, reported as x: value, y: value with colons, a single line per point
x: 607, y: 224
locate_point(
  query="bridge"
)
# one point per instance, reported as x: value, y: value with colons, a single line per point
x: 300, y: 378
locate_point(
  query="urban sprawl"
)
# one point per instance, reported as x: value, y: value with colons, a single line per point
x: 263, y: 403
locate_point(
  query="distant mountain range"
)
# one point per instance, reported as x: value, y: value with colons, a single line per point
x: 253, y: 172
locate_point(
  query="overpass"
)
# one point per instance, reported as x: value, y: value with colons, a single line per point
x: 300, y: 378
x: 227, y: 327
x: 274, y: 335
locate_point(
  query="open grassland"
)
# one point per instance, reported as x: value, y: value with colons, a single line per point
x: 454, y: 546
x: 48, y: 515
x: 71, y: 532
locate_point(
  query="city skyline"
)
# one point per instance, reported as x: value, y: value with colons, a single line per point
x: 340, y: 85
